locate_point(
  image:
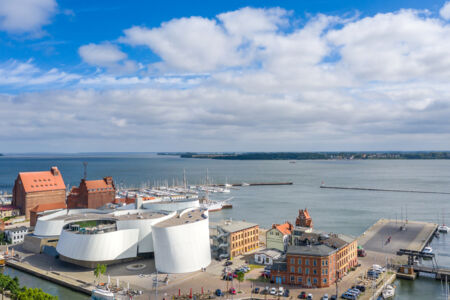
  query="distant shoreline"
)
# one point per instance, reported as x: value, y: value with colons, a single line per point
x: 314, y: 155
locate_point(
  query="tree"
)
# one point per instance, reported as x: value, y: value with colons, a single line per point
x: 4, y: 282
x: 33, y: 294
x: 100, y: 269
x: 240, y: 278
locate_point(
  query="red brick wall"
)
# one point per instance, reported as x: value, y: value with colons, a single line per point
x: 26, y: 201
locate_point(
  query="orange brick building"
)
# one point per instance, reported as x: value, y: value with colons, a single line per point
x: 34, y: 188
x: 304, y: 219
x: 317, y: 262
x: 92, y: 193
x: 235, y: 238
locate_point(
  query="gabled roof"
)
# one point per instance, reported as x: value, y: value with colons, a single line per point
x: 285, y: 228
x: 42, y: 181
x: 94, y: 186
x: 306, y: 214
x: 48, y: 206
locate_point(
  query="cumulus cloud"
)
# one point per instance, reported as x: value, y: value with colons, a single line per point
x: 445, y: 11
x: 21, y: 75
x: 108, y: 56
x: 251, y: 79
x: 26, y: 16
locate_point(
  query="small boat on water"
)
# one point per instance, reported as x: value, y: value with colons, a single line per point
x: 245, y: 184
x: 443, y: 228
x: 427, y: 249
x: 388, y: 292
x: 101, y: 294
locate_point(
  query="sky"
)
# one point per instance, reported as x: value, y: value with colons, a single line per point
x: 145, y: 76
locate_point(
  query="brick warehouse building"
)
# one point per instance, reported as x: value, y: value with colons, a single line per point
x: 34, y: 188
x: 317, y: 261
x: 92, y: 193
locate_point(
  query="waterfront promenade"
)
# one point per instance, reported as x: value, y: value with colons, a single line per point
x: 415, y: 237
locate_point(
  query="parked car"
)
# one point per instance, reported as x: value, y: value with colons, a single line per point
x: 232, y: 291
x: 219, y: 293
x: 280, y: 291
x: 286, y: 293
x: 273, y: 291
x: 362, y: 288
x: 362, y: 253
x: 310, y: 296
x: 333, y: 297
x: 325, y: 297
x: 266, y: 290
x: 349, y: 296
x: 228, y: 263
x: 256, y: 290
x: 354, y: 291
x: 302, y: 295
x: 228, y: 277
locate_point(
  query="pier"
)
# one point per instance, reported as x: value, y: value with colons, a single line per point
x: 382, y: 190
x: 257, y: 184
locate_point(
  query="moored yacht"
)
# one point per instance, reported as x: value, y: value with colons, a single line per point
x: 443, y: 228
x: 388, y: 292
x: 427, y: 249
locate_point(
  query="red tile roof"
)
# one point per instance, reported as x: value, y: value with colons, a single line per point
x: 48, y: 206
x: 42, y: 181
x: 285, y: 228
x: 94, y: 186
x: 306, y: 214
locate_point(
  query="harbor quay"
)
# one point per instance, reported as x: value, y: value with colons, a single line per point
x: 206, y: 281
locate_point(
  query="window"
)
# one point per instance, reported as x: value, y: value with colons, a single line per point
x: 299, y: 261
x: 315, y: 280
x: 299, y: 270
x: 307, y: 271
x: 315, y: 272
x: 314, y: 262
x: 307, y: 262
x: 292, y: 269
x: 299, y: 279
x: 324, y: 280
x: 292, y: 279
x: 292, y: 261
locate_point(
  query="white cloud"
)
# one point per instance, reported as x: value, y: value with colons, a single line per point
x: 189, y: 44
x: 445, y: 11
x: 252, y: 79
x: 14, y: 73
x: 108, y: 56
x: 394, y: 46
x: 26, y: 16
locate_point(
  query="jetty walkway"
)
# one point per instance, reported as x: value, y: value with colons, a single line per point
x: 381, y: 190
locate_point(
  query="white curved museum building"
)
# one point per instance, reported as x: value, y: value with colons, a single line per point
x: 179, y: 241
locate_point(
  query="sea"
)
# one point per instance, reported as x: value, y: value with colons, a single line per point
x: 341, y: 211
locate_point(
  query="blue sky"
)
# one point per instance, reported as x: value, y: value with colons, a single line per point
x: 224, y: 75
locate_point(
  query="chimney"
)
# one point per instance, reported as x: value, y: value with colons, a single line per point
x: 108, y: 180
x: 54, y: 171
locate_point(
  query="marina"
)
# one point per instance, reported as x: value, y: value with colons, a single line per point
x: 252, y: 204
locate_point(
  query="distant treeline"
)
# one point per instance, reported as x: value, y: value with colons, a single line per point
x: 314, y: 155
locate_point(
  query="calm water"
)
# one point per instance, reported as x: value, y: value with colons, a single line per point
x: 345, y: 211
